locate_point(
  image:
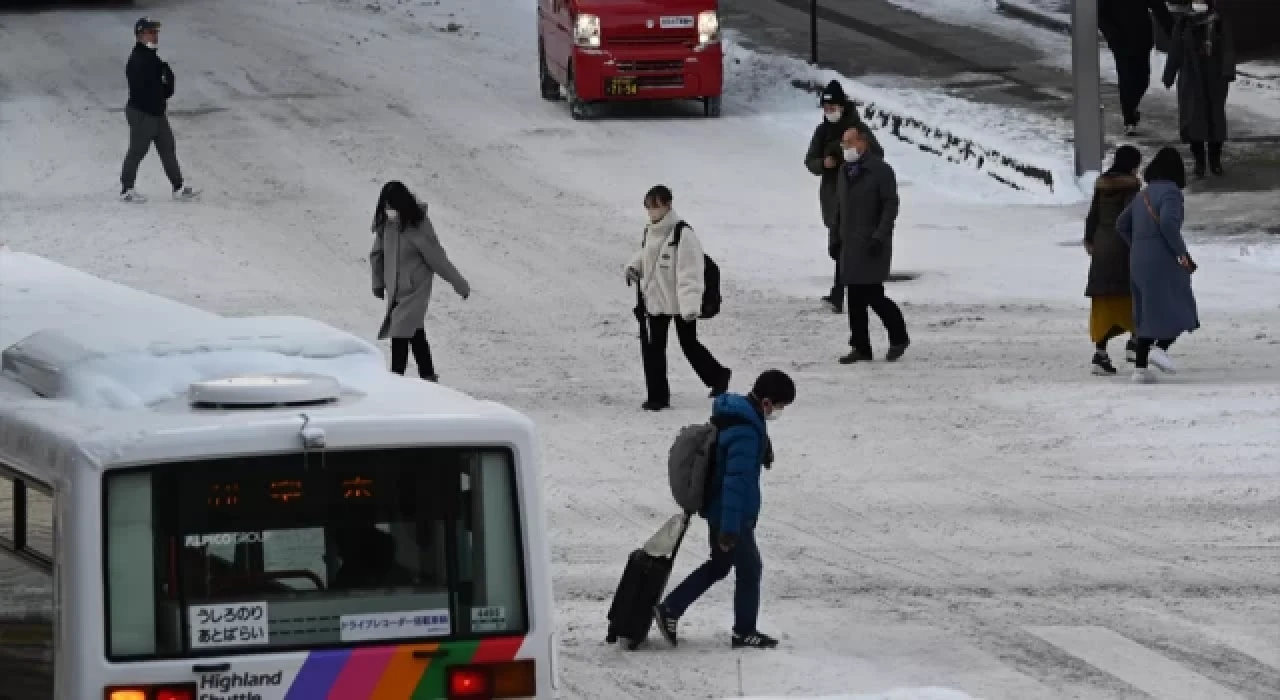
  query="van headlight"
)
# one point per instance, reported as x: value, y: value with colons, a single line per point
x: 586, y: 31
x: 708, y: 27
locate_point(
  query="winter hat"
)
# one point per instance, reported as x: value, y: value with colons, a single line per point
x: 144, y: 24
x: 834, y: 94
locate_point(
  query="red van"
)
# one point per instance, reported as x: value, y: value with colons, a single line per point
x: 618, y: 50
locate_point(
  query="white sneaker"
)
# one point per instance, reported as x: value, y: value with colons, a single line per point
x: 1161, y: 359
x: 131, y: 195
x: 186, y: 193
x: 1143, y: 376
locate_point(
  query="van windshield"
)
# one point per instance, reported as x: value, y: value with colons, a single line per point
x: 340, y: 548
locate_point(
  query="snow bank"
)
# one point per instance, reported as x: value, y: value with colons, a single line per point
x: 1010, y: 147
x: 896, y: 694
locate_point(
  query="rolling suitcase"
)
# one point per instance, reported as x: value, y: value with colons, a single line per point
x: 643, y: 582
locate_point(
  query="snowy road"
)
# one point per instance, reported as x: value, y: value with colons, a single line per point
x: 984, y: 516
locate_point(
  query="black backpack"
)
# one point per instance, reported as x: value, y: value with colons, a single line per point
x: 711, y: 279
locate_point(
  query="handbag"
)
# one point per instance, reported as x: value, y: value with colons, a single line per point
x: 1191, y: 264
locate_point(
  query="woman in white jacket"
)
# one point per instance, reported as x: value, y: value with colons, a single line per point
x: 669, y: 269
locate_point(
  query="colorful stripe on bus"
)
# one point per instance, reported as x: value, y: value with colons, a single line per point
x: 366, y: 673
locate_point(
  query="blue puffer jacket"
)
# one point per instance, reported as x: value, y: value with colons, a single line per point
x: 735, y: 505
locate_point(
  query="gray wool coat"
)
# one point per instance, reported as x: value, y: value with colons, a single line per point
x: 826, y: 142
x: 867, y: 208
x: 405, y: 264
x: 1163, y: 304
x: 1202, y: 61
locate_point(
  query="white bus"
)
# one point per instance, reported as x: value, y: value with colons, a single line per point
x: 197, y: 507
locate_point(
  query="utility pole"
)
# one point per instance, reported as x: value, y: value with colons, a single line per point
x: 1086, y: 70
x: 813, y: 32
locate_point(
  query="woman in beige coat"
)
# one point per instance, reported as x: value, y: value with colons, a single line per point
x: 405, y: 259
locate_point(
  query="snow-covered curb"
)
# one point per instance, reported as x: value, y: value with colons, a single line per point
x: 1009, y: 170
x: 1012, y: 147
x: 895, y: 694
x: 1053, y: 21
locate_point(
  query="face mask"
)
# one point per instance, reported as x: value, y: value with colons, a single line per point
x: 834, y: 117
x: 151, y: 45
x: 391, y: 213
x: 852, y: 154
x: 1199, y: 8
x: 774, y: 413
x: 655, y: 215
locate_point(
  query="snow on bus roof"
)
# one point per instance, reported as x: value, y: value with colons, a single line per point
x: 124, y: 361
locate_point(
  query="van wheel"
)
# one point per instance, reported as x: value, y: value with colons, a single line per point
x: 548, y: 85
x: 711, y: 107
x: 578, y: 109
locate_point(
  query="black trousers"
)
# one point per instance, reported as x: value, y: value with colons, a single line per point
x: 1134, y: 73
x: 1198, y: 152
x: 862, y: 296
x: 703, y: 362
x: 421, y: 354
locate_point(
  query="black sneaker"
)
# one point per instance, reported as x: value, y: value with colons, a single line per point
x: 896, y: 352
x: 755, y: 640
x: 1131, y: 352
x: 666, y: 625
x: 1102, y: 365
x: 833, y: 304
x: 856, y: 356
x: 655, y: 405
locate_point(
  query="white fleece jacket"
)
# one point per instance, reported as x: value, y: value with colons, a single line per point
x: 671, y: 276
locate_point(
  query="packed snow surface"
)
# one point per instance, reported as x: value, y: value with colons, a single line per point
x: 983, y: 516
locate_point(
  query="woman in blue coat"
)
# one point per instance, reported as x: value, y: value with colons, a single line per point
x: 1164, y: 306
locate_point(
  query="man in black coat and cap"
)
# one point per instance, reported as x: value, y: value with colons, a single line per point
x: 1126, y: 24
x: 824, y: 159
x: 151, y: 85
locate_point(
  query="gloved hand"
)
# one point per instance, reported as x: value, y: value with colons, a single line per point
x: 726, y: 541
x: 633, y: 276
x: 463, y: 289
x: 380, y: 293
x: 833, y: 249
x: 875, y: 247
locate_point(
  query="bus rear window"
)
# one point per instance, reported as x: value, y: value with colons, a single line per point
x: 341, y: 548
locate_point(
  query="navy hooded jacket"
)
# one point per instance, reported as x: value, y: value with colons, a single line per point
x: 740, y: 454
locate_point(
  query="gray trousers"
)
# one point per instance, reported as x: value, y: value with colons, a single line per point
x: 143, y: 130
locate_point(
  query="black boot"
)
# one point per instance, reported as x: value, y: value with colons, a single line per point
x: 1197, y: 152
x: 1215, y: 158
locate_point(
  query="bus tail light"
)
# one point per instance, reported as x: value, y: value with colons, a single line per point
x: 184, y: 691
x: 515, y: 679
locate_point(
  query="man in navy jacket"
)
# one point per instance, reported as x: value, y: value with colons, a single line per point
x: 150, y: 87
x: 732, y: 508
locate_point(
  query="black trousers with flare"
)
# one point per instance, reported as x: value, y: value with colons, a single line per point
x: 862, y: 296
x: 704, y: 363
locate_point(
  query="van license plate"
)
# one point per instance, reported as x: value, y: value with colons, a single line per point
x: 684, y: 22
x: 622, y: 86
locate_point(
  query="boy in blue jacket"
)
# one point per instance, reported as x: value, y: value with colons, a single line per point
x: 732, y: 509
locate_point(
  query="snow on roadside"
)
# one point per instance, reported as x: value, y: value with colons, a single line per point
x: 895, y: 694
x: 1007, y: 137
x: 1264, y: 254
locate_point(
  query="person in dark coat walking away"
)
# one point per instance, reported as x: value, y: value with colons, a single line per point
x: 405, y: 260
x: 1109, y: 288
x: 669, y: 268
x: 1126, y: 24
x: 151, y: 85
x: 823, y: 159
x: 1163, y: 304
x: 733, y: 507
x: 1202, y: 60
x: 866, y: 211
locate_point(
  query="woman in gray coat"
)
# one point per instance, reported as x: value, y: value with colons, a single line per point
x: 405, y: 259
x: 1202, y: 60
x: 1160, y: 266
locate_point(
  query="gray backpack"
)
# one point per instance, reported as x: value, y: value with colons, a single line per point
x: 691, y: 462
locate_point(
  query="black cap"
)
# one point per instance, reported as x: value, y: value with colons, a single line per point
x: 834, y: 94
x: 144, y: 24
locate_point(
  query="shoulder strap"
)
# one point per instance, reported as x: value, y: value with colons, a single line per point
x: 680, y: 226
x: 726, y: 422
x: 1151, y: 210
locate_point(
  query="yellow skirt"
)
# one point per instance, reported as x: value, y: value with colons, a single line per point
x: 1108, y: 313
